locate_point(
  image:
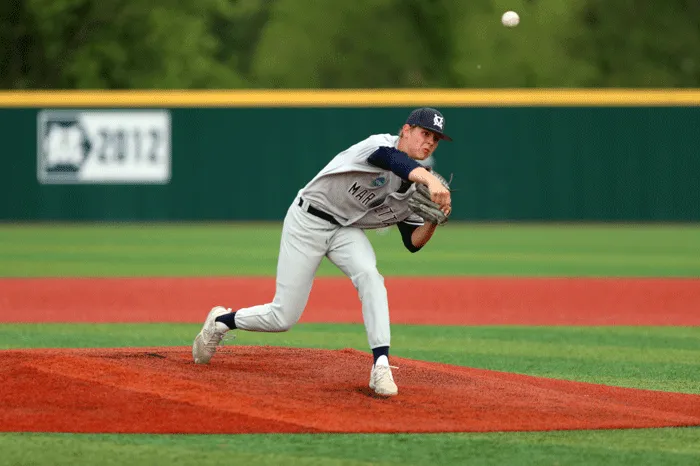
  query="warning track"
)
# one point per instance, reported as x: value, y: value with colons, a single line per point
x: 439, y: 301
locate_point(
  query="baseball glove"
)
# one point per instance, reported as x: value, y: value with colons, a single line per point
x: 421, y: 204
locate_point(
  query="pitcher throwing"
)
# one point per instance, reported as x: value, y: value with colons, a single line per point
x: 367, y: 186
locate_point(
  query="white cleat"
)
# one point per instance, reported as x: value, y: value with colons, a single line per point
x: 209, y: 337
x: 382, y: 382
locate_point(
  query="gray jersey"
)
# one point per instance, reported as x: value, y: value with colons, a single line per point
x: 359, y: 194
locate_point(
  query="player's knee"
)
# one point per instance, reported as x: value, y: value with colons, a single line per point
x: 284, y: 325
x: 282, y: 320
x: 368, y: 279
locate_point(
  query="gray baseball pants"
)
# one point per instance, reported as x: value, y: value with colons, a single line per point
x: 306, y: 240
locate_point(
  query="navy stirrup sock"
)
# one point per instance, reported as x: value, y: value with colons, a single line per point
x: 381, y: 351
x: 228, y: 320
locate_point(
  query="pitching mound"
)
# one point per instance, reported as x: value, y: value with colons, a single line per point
x: 286, y: 390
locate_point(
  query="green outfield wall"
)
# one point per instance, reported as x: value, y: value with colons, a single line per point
x: 540, y: 156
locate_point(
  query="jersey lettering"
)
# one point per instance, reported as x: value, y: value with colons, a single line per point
x: 359, y: 196
x: 364, y: 196
x: 386, y: 215
x: 352, y: 190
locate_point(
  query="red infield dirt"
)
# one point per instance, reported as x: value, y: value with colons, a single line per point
x: 440, y: 301
x: 285, y: 390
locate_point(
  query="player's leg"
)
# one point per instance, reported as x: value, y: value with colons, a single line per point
x: 302, y: 247
x: 351, y: 251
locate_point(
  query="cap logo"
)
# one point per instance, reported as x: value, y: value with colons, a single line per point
x: 438, y: 121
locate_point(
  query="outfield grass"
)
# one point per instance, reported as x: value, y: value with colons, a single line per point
x: 659, y: 358
x: 652, y: 447
x: 251, y: 249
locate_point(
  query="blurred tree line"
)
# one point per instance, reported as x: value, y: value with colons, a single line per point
x: 165, y: 44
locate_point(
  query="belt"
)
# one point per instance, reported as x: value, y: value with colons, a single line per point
x: 318, y: 213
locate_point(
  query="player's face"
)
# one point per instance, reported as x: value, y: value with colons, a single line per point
x: 420, y: 142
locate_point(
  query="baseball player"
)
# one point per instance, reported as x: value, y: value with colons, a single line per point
x: 367, y: 186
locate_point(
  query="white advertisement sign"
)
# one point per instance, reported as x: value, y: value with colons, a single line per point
x: 106, y: 146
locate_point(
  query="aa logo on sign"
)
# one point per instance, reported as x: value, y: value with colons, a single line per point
x: 106, y: 146
x: 63, y: 146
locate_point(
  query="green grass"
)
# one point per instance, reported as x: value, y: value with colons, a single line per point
x: 251, y: 249
x: 652, y: 447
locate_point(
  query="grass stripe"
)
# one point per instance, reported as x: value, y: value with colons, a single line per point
x: 29, y: 250
x: 622, y: 447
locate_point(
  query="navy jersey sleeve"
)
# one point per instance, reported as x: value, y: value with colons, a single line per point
x: 390, y: 158
x: 407, y: 230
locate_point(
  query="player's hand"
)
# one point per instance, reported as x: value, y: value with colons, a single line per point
x: 440, y: 195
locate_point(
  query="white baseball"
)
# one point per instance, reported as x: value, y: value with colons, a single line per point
x: 510, y: 19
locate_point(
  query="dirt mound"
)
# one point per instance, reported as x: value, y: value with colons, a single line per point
x: 288, y: 390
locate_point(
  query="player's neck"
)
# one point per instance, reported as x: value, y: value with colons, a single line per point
x: 401, y: 145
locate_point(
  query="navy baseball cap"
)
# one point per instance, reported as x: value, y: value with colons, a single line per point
x: 429, y: 118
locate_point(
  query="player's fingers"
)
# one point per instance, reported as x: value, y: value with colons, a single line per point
x: 439, y: 194
x: 442, y: 198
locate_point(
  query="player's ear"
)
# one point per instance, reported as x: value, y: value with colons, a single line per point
x: 404, y: 130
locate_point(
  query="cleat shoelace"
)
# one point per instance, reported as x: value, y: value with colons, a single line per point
x: 383, y: 371
x: 215, y: 338
x: 211, y: 343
